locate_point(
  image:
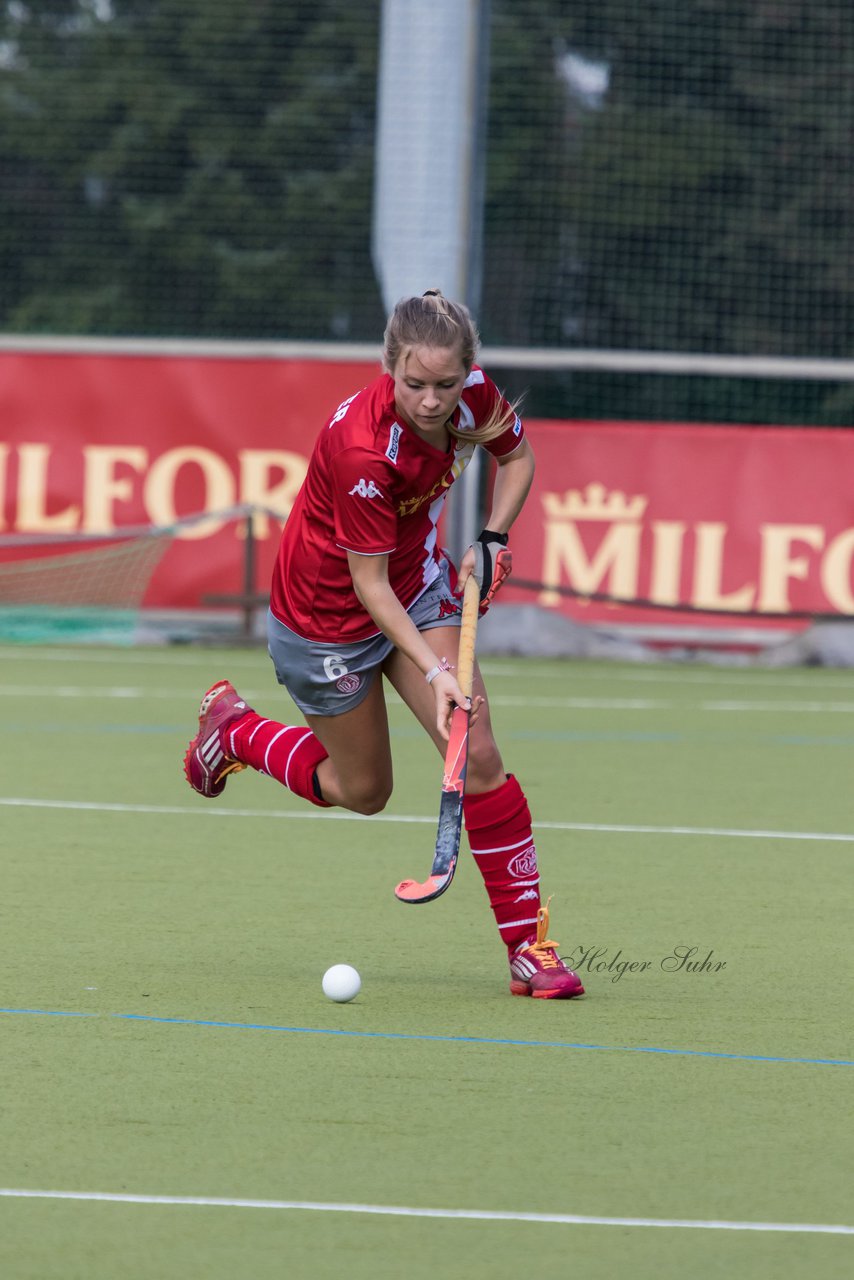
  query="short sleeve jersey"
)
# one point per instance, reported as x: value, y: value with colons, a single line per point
x: 373, y: 487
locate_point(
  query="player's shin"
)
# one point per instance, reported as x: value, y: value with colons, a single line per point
x: 498, y: 825
x: 288, y: 753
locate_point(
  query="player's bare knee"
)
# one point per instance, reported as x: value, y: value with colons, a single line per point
x: 485, y: 768
x: 369, y: 800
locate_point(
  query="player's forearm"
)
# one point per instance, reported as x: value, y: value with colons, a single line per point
x: 512, y: 485
x: 377, y: 597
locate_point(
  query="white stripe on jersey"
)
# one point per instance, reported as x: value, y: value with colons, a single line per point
x: 462, y: 457
x: 466, y: 422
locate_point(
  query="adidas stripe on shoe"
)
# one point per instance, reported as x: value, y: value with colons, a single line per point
x: 207, y: 763
x: 537, y: 970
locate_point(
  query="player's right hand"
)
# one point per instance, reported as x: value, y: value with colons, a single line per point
x: 448, y: 696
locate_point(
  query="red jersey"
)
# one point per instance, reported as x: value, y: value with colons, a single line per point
x: 376, y: 488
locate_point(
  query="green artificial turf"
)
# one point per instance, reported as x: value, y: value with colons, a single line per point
x: 190, y: 937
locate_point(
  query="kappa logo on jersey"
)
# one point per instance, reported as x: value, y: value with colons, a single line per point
x: 524, y: 864
x: 394, y: 442
x: 448, y: 608
x: 366, y: 489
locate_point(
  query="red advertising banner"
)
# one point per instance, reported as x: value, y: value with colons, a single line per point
x: 727, y: 519
x: 743, y: 520
x: 95, y: 443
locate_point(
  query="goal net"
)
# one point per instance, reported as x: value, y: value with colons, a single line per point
x: 83, y: 587
x: 95, y: 587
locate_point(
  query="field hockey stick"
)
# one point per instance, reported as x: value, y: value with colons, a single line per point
x: 456, y: 758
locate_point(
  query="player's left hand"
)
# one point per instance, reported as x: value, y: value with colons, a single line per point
x: 490, y: 561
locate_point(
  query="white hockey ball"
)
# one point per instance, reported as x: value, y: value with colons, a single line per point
x: 341, y: 983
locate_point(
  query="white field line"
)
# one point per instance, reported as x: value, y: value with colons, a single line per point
x: 529, y: 669
x: 664, y: 674
x: 341, y: 815
x: 666, y: 704
x: 135, y: 692
x: 162, y: 657
x: 407, y: 1211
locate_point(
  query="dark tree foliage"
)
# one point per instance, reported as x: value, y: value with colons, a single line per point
x: 717, y: 183
x: 700, y: 201
x: 187, y: 168
x: 677, y: 175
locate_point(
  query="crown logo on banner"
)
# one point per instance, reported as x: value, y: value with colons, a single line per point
x: 595, y: 502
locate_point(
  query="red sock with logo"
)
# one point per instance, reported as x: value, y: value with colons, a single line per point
x: 288, y: 753
x: 498, y: 824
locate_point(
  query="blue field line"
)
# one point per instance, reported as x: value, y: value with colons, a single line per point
x: 405, y: 1035
x: 53, y: 1013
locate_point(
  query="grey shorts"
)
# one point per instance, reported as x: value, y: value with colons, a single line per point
x: 326, y: 679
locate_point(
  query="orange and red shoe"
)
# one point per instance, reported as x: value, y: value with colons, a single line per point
x: 207, y: 763
x: 537, y: 970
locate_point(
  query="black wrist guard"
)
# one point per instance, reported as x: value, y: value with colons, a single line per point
x: 489, y: 535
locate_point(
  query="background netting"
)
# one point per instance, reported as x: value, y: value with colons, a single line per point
x: 667, y: 177
x: 77, y: 587
x: 112, y: 571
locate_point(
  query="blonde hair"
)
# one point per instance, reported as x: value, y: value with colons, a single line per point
x: 435, y: 321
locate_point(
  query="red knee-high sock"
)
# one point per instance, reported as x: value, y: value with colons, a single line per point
x: 498, y: 824
x: 288, y: 753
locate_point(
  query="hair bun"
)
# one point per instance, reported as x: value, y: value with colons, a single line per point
x: 432, y: 293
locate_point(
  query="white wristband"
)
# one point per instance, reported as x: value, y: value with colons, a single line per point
x: 437, y: 670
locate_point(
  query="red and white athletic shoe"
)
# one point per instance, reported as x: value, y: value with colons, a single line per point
x: 207, y: 764
x: 537, y: 970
